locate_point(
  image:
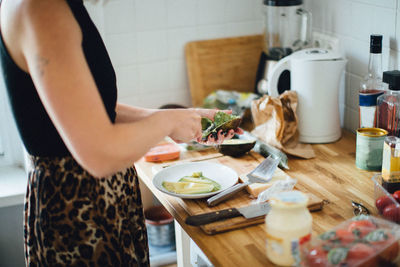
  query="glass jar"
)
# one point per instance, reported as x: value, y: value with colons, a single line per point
x: 284, y: 237
x: 287, y: 27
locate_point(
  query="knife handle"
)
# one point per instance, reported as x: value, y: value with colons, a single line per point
x: 210, y: 217
x: 224, y: 195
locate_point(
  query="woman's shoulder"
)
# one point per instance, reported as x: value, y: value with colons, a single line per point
x: 40, y: 14
x: 47, y: 12
x: 31, y: 18
x: 36, y: 22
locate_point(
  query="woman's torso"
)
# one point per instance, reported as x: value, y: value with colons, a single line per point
x: 36, y: 129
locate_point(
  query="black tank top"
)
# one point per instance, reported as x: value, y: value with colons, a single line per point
x: 38, y: 133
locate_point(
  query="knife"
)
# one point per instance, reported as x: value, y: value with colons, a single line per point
x: 248, y: 212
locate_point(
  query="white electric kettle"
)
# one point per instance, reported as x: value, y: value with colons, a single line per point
x: 315, y: 75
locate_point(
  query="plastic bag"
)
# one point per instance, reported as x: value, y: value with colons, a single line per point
x: 223, y: 99
x: 279, y: 186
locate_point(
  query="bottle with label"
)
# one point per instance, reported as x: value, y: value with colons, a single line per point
x: 391, y: 164
x: 371, y: 86
x: 389, y: 104
x: 288, y: 225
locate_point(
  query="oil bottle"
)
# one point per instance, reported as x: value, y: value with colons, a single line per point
x: 371, y: 86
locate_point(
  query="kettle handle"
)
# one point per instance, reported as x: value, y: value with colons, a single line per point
x: 275, y: 73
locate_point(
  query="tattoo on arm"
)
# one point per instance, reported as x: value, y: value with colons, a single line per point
x: 41, y: 63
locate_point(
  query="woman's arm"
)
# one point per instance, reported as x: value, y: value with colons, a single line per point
x: 49, y: 40
x: 126, y: 113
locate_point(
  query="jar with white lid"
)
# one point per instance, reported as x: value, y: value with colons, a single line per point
x: 288, y: 225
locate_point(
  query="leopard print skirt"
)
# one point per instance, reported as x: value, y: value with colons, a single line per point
x: 75, y: 219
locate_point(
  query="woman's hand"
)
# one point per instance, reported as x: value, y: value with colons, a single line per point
x: 210, y: 113
x: 186, y: 124
x: 220, y: 137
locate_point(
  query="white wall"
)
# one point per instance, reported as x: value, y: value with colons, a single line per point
x: 146, y: 39
x: 353, y: 21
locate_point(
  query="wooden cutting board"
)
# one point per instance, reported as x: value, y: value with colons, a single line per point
x: 243, y: 164
x: 227, y: 63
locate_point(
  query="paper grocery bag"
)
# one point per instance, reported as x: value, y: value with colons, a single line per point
x: 276, y: 124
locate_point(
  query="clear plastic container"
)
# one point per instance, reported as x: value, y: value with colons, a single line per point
x: 360, y: 241
x: 384, y: 199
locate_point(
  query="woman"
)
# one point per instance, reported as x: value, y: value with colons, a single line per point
x: 83, y: 205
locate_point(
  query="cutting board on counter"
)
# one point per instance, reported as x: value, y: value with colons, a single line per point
x: 226, y: 63
x: 241, y: 165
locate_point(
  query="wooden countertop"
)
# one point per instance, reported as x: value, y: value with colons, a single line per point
x: 332, y: 176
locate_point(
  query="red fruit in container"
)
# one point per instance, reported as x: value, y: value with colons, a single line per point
x: 361, y: 228
x: 345, y: 236
x: 391, y: 252
x: 316, y: 257
x: 392, y: 213
x: 362, y: 253
x: 382, y: 202
x: 396, y: 195
x: 382, y: 238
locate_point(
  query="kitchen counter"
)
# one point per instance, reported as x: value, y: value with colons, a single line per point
x: 332, y: 176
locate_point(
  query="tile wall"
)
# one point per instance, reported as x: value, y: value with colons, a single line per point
x: 352, y: 21
x: 146, y: 39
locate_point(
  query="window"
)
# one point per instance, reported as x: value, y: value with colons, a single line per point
x: 1, y: 148
x: 11, y: 151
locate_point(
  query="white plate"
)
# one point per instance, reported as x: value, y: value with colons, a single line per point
x: 221, y: 174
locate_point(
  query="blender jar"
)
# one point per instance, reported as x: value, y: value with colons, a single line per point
x: 287, y: 28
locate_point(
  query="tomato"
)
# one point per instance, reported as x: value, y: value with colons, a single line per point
x: 361, y: 228
x: 382, y: 202
x: 391, y: 252
x: 383, y: 238
x: 361, y: 253
x: 396, y: 195
x: 392, y: 213
x: 316, y: 257
x: 345, y: 236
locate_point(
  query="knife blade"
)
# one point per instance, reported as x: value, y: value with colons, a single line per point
x: 248, y: 212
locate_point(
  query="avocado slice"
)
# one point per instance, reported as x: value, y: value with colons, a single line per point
x: 197, y: 174
x: 236, y: 147
x: 206, y: 123
x: 222, y: 121
x: 187, y: 187
x: 201, y: 180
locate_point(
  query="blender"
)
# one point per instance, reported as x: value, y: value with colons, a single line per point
x: 287, y: 28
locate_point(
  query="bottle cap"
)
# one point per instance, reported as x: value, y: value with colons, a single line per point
x: 392, y: 78
x: 283, y: 2
x: 375, y: 46
x: 289, y: 199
